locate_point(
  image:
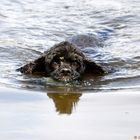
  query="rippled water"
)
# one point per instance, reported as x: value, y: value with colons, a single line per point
x: 29, y: 27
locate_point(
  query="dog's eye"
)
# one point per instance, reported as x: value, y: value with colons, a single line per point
x: 54, y: 65
x: 57, y: 61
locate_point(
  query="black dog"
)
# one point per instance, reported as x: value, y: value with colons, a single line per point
x: 63, y: 62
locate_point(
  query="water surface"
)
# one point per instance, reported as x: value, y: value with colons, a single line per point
x: 29, y: 27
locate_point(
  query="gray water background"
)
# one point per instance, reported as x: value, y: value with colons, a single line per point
x: 29, y: 27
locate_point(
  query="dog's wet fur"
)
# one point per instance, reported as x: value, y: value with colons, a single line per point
x: 63, y: 62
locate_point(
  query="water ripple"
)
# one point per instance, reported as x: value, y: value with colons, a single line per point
x: 30, y: 27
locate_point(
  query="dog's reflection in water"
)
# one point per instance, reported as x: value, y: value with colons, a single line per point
x: 65, y: 102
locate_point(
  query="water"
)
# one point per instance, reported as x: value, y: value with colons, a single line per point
x: 27, y: 28
x: 33, y: 116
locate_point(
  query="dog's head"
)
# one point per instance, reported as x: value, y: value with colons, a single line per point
x: 65, y: 62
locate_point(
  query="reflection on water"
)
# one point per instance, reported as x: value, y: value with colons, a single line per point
x: 65, y: 102
x: 64, y: 98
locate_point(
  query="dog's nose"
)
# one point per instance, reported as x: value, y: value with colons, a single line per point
x: 65, y: 71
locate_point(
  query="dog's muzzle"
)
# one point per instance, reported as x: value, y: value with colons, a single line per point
x: 65, y: 75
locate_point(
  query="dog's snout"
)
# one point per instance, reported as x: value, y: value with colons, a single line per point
x: 65, y: 71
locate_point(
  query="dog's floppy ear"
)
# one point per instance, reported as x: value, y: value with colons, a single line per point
x: 93, y: 68
x: 36, y: 66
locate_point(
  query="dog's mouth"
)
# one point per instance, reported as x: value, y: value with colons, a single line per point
x: 65, y: 78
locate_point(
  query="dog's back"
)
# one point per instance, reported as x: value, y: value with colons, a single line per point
x: 86, y: 40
